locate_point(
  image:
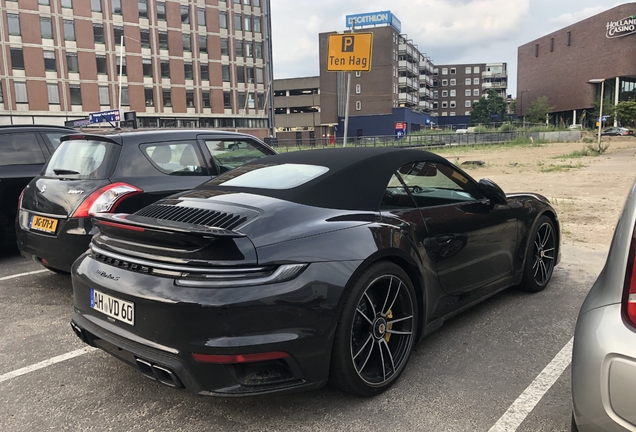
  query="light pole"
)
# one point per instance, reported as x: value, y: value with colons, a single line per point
x: 521, y: 106
x: 600, y: 113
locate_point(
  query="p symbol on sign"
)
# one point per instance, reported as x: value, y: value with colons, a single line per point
x: 347, y: 44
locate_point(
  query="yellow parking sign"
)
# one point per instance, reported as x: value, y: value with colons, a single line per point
x: 350, y: 52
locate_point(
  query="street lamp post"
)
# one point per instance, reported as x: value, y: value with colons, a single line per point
x: 600, y: 114
x: 521, y: 106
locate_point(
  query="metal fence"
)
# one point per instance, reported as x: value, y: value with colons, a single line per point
x: 424, y: 140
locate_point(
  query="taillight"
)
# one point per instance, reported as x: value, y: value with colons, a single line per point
x: 239, y: 358
x: 20, y: 198
x: 104, y: 200
x: 629, y: 299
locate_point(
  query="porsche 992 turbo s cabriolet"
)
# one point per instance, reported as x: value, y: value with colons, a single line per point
x: 305, y: 268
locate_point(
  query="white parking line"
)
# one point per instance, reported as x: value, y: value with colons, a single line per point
x: 22, y: 274
x: 46, y: 363
x: 525, y: 403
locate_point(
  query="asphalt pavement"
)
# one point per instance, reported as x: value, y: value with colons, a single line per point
x: 463, y: 377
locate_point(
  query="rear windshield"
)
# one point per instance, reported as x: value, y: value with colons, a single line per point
x: 82, y: 159
x: 262, y: 176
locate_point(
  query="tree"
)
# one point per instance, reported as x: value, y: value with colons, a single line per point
x: 490, y: 107
x: 539, y: 109
x: 608, y: 110
x: 512, y: 107
x: 626, y: 112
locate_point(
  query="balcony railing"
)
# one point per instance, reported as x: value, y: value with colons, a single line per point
x: 494, y: 85
x: 494, y: 75
x: 408, y: 82
x: 407, y: 98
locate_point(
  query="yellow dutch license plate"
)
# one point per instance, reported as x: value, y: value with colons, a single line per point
x: 40, y: 223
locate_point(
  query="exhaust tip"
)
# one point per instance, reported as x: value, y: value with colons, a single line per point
x: 166, y: 376
x: 78, y: 332
x: 146, y: 369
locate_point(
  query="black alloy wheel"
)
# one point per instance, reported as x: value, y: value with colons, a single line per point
x: 376, y: 331
x: 541, y: 257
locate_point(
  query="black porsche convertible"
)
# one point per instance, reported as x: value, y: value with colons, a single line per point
x: 301, y: 269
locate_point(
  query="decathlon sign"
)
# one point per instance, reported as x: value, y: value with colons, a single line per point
x: 622, y: 27
x: 373, y: 18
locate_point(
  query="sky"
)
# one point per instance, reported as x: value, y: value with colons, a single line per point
x: 448, y: 31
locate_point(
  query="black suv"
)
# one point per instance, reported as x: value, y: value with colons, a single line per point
x: 123, y: 171
x: 24, y: 149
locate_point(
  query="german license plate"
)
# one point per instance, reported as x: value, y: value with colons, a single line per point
x: 40, y: 223
x: 113, y: 307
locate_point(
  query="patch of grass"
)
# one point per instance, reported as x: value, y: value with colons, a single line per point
x: 587, y: 140
x: 575, y: 154
x: 559, y: 168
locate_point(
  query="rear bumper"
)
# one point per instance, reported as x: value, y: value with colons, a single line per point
x: 58, y: 251
x: 171, y: 323
x: 604, y: 371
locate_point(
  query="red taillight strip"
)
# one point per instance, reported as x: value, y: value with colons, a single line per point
x: 122, y: 226
x: 239, y: 358
x: 629, y: 295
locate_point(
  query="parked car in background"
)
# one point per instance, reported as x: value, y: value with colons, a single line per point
x: 617, y: 131
x: 24, y: 149
x: 604, y: 352
x: 123, y: 171
x: 304, y: 268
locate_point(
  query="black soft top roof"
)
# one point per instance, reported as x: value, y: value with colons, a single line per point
x: 356, y: 180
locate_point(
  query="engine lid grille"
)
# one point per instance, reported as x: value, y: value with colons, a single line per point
x: 195, y: 216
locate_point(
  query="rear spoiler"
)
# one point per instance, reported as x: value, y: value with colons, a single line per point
x: 141, y: 223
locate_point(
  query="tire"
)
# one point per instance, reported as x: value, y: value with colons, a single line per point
x: 376, y: 331
x: 58, y: 271
x: 540, y: 257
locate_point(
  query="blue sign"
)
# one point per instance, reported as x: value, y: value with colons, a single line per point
x: 104, y: 116
x: 604, y: 118
x: 373, y: 18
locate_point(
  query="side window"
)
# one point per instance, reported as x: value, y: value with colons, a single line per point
x: 229, y: 154
x: 20, y: 149
x: 395, y: 196
x: 54, y: 138
x: 174, y: 158
x: 433, y: 184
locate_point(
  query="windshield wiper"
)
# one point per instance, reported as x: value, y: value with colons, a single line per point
x: 60, y: 171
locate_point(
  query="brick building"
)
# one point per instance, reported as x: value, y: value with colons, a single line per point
x: 560, y: 65
x: 186, y: 63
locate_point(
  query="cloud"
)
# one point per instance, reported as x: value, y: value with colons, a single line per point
x: 566, y: 19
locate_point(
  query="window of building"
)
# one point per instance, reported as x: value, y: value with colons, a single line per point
x: 227, y: 100
x: 476, y: 81
x: 453, y: 71
x: 144, y: 35
x: 71, y: 62
x: 250, y: 75
x: 121, y: 64
x: 98, y: 33
x: 96, y: 5
x: 452, y: 113
x: 453, y: 104
x: 259, y: 76
x: 224, y: 47
x: 43, y: 2
x: 467, y: 104
x: 258, y: 50
x: 359, y: 74
x: 551, y: 44
x: 101, y: 64
x: 241, y: 100
x: 444, y: 104
x: 17, y: 59
x: 466, y: 112
x: 249, y: 52
x: 20, y: 92
x: 163, y: 40
x: 187, y: 67
x: 453, y: 81
x: 201, y: 16
x: 185, y: 14
x: 125, y: 98
x: 435, y: 105
x: 358, y: 88
x: 116, y: 8
x: 46, y: 28
x: 165, y: 69
x: 118, y: 34
x: 445, y: 114
x: 14, y: 24
x: 76, y: 94
x: 149, y: 96
x: 69, y: 30
x: 257, y: 3
x: 166, y: 94
x: 568, y: 38
x: 476, y: 69
x: 469, y: 70
x: 240, y: 74
x: 67, y: 4
x: 467, y: 92
x: 247, y: 2
x: 223, y: 20
x: 248, y: 23
x: 536, y: 50
x: 238, y: 22
x: 49, y: 61
x: 467, y: 81
x: 435, y: 72
x: 190, y: 98
x: 453, y: 93
x: 205, y: 72
x: 104, y: 96
x: 435, y: 94
x: 206, y: 99
x: 444, y: 93
x: 257, y: 25
x: 474, y: 102
x: 444, y: 82
x: 358, y: 105
x: 475, y: 92
x: 161, y: 11
x: 203, y: 43
x: 53, y: 93
x: 146, y: 65
x: 238, y: 45
x: 187, y: 43
x: 444, y: 71
x: 225, y: 73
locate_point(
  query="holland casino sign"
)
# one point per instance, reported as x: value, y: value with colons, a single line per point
x: 372, y: 18
x: 622, y: 27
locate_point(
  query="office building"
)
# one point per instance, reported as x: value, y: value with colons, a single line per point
x: 184, y: 63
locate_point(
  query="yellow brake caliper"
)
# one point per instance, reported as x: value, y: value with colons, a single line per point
x: 387, y: 335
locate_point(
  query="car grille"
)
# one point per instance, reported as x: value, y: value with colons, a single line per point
x: 193, y: 216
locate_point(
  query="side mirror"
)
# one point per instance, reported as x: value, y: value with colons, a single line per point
x: 493, y: 192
